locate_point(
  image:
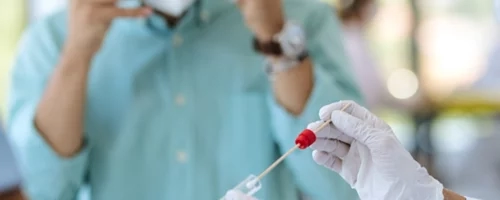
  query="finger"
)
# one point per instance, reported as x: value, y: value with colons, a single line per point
x: 334, y: 147
x: 349, y: 107
x: 326, y: 111
x: 114, y: 12
x: 327, y: 160
x: 329, y: 132
x: 351, y: 126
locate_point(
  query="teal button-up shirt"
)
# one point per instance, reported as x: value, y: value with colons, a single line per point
x: 180, y: 113
x: 9, y: 173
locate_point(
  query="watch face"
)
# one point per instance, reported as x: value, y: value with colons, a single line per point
x: 292, y: 40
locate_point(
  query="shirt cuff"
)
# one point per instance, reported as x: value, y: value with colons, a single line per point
x: 35, y: 149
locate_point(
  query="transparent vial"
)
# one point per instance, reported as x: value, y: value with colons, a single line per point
x: 249, y: 186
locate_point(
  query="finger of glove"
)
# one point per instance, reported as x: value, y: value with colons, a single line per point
x: 237, y: 195
x: 334, y: 147
x: 349, y: 107
x: 327, y: 160
x: 328, y: 132
x: 351, y: 126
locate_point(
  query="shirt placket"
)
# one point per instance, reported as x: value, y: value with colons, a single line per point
x: 182, y: 111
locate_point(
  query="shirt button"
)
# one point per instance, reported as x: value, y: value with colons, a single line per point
x: 204, y: 16
x: 177, y: 40
x: 182, y: 157
x: 180, y: 100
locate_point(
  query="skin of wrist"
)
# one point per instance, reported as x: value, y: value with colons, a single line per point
x: 75, y: 56
x: 78, y: 55
x: 267, y: 36
x: 450, y: 195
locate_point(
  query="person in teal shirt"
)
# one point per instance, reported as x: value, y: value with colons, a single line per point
x: 177, y: 103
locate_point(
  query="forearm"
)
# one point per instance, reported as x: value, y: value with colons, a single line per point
x: 292, y: 88
x: 450, y: 195
x: 60, y: 113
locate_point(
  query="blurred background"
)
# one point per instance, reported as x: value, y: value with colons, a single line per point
x: 431, y: 68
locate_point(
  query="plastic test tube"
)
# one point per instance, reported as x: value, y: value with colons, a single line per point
x: 249, y: 186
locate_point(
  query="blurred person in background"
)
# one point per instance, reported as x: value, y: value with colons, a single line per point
x: 355, y: 15
x: 175, y: 103
x: 10, y: 177
x: 489, y: 81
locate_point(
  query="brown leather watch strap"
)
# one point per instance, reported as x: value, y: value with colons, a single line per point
x: 271, y: 48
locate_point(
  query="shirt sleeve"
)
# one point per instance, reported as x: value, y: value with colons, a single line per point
x: 11, y: 177
x: 46, y: 174
x: 333, y: 82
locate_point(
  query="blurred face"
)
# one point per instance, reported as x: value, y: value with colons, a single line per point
x: 171, y: 7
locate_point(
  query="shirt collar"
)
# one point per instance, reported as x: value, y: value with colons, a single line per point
x: 205, y: 11
x: 214, y: 7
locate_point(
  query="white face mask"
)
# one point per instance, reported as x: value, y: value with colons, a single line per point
x: 171, y: 7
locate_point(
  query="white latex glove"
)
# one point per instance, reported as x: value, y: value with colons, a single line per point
x: 365, y: 152
x: 237, y: 195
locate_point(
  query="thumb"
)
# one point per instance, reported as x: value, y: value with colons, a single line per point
x: 351, y: 126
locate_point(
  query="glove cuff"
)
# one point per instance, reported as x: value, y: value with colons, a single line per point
x: 425, y: 187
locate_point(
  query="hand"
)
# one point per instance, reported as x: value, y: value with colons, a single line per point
x: 264, y: 17
x: 89, y: 21
x: 365, y: 152
x: 237, y: 195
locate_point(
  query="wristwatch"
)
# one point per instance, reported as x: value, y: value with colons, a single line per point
x: 287, y: 48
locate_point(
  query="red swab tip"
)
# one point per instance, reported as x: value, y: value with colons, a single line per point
x: 305, y: 139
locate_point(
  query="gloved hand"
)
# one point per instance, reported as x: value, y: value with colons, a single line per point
x: 237, y: 195
x: 365, y: 152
